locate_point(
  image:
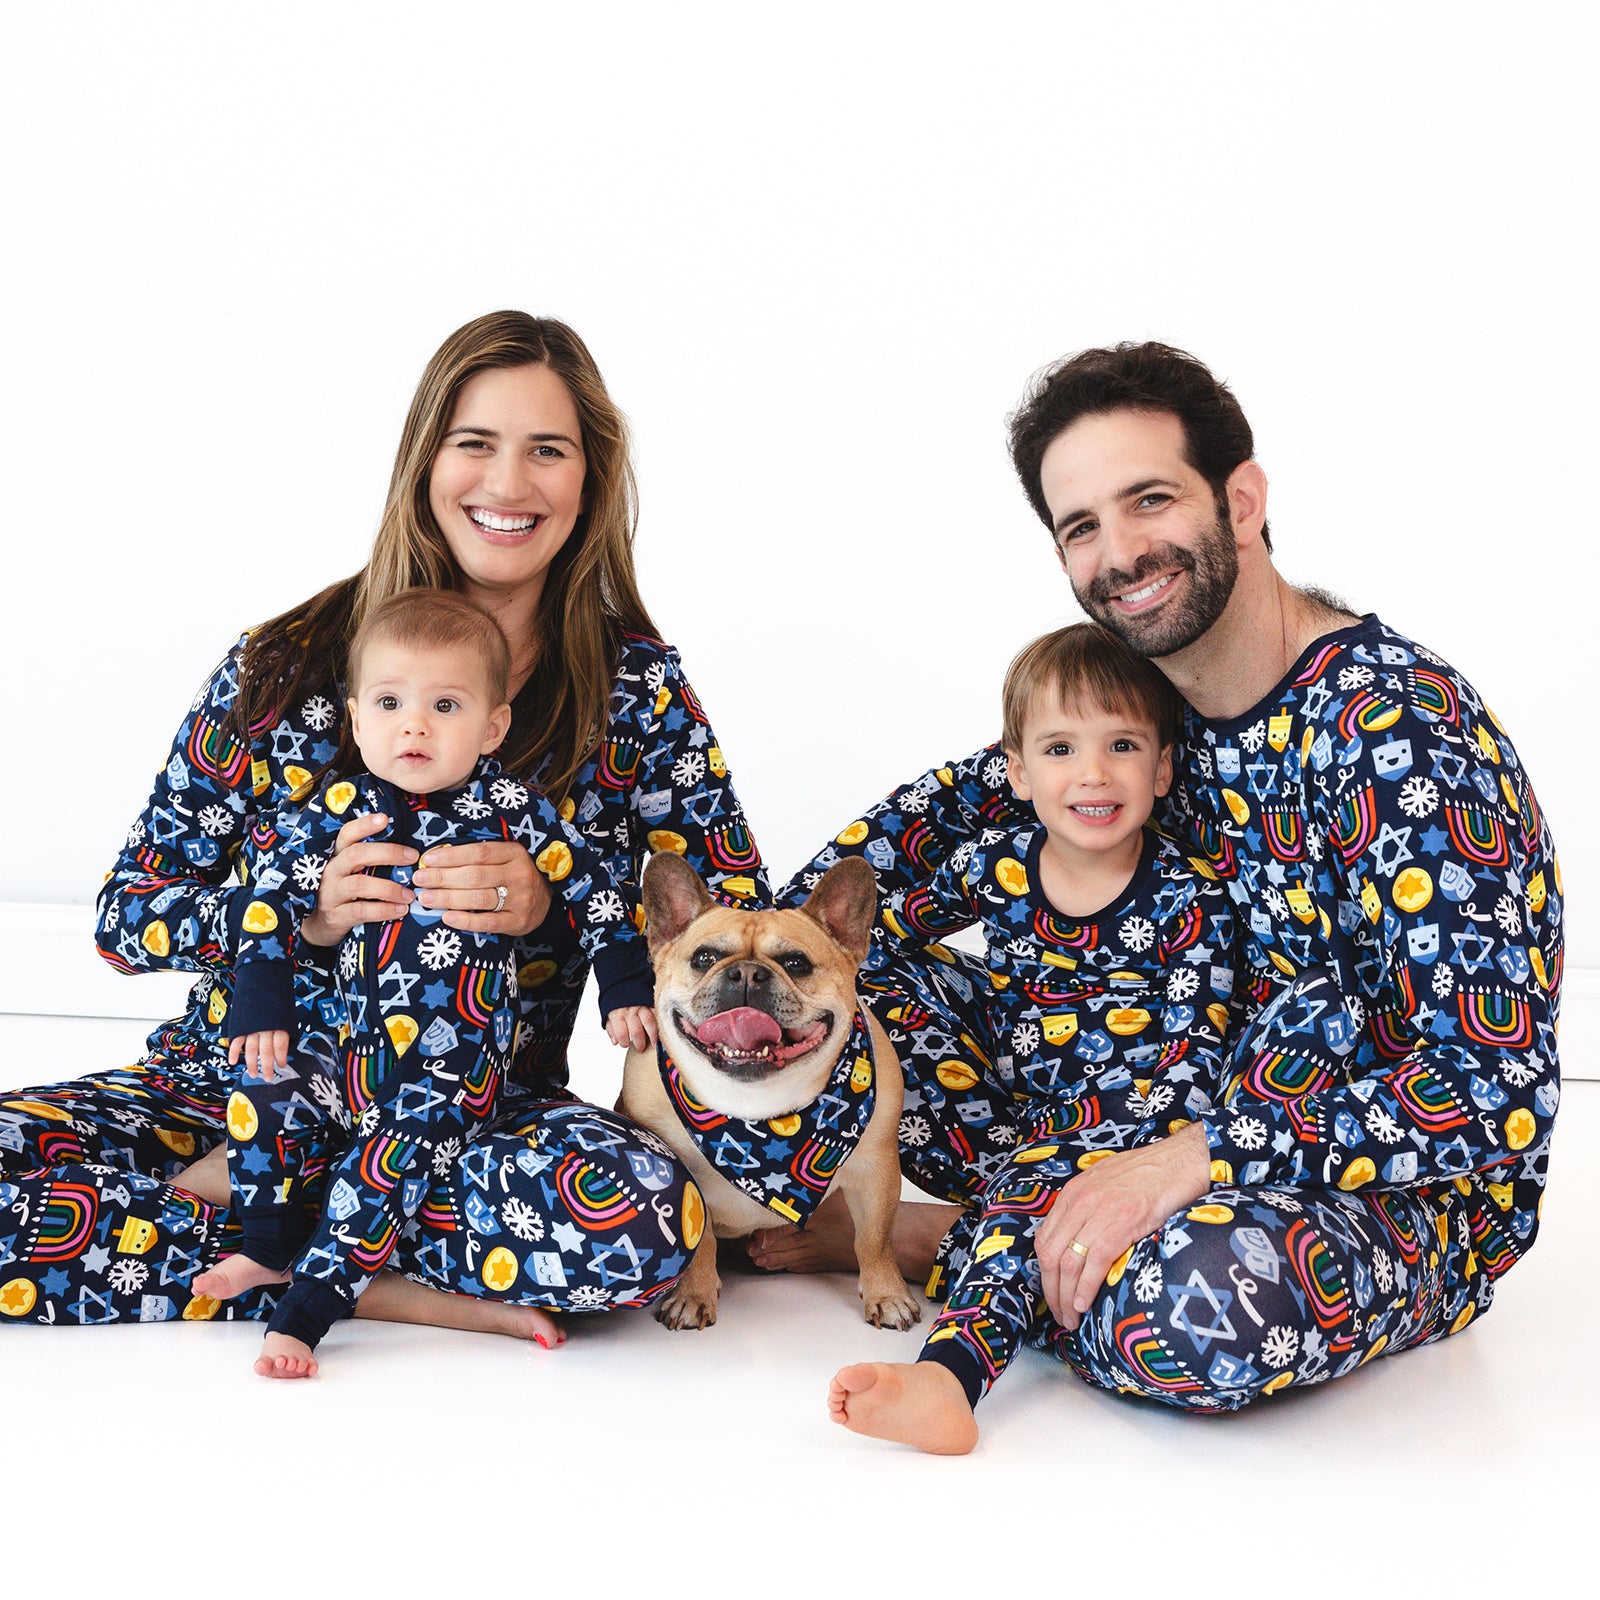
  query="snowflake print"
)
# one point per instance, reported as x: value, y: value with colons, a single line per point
x: 688, y: 769
x: 961, y: 855
x: 994, y: 771
x: 587, y: 1298
x: 317, y: 713
x: 326, y: 1092
x: 1505, y: 913
x: 127, y: 1117
x: 1249, y: 1133
x: 438, y: 948
x: 308, y: 873
x: 1025, y: 1038
x: 136, y: 834
x: 1520, y: 1071
x: 1444, y: 982
x: 914, y: 801
x: 445, y: 1154
x: 1280, y: 1346
x: 1279, y: 1201
x: 1203, y: 760
x: 1137, y: 933
x: 523, y: 1220
x: 1002, y: 1134
x: 1148, y: 1283
x: 654, y: 676
x: 1383, y: 1271
x: 128, y: 1276
x: 369, y: 1120
x: 1355, y: 677
x: 1419, y: 796
x: 508, y: 794
x: 1161, y: 1096
x: 1277, y: 906
x: 607, y: 906
x: 1183, y: 983
x: 113, y: 916
x: 1314, y: 843
x: 215, y: 821
x: 349, y: 959
x: 915, y: 1131
x: 1383, y: 1126
x: 471, y: 806
x: 1254, y: 737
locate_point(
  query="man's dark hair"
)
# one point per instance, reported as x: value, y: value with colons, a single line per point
x: 1133, y: 377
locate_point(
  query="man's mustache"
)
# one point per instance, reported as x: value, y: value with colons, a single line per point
x: 1162, y: 559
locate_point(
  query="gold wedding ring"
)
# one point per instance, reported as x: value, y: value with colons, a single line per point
x: 1078, y: 1249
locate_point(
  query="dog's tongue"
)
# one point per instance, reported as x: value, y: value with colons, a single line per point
x: 743, y: 1028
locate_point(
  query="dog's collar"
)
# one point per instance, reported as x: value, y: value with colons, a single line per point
x: 785, y: 1163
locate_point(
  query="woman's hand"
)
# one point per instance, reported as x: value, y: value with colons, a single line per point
x: 464, y: 880
x: 1108, y: 1208
x: 633, y: 1027
x: 348, y: 896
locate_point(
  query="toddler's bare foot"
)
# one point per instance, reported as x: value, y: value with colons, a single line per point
x: 393, y: 1298
x: 233, y: 1276
x: 828, y: 1242
x: 207, y: 1177
x: 283, y: 1357
x: 917, y: 1403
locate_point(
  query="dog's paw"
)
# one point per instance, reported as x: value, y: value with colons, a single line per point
x: 682, y: 1309
x: 894, y: 1309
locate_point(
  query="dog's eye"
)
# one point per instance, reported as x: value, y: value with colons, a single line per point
x: 704, y: 959
x: 795, y: 964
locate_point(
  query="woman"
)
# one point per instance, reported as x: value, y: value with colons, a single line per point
x: 512, y: 485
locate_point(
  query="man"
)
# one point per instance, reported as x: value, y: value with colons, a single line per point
x: 1378, y: 1154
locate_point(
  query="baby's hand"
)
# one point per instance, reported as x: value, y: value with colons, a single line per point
x: 632, y: 1025
x: 265, y: 1054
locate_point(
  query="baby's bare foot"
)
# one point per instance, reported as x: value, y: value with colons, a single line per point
x: 233, y: 1276
x: 918, y: 1403
x: 283, y: 1357
x: 828, y: 1242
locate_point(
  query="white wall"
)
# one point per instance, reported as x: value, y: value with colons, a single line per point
x: 817, y: 252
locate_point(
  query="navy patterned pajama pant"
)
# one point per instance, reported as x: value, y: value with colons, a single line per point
x: 1241, y: 1295
x: 554, y: 1204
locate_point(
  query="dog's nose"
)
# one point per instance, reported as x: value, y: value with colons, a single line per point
x: 745, y: 981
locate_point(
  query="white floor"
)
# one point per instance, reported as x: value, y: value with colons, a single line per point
x: 636, y: 1459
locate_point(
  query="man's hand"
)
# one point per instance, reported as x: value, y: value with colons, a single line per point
x: 1108, y: 1208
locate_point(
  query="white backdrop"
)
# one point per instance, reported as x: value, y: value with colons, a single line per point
x: 817, y: 251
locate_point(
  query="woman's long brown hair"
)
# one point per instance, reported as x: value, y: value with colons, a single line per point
x: 591, y: 596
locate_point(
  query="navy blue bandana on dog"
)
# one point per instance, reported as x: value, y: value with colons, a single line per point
x: 785, y: 1163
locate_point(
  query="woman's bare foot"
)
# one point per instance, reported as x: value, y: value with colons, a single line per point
x: 918, y: 1403
x: 207, y: 1177
x: 828, y: 1242
x: 393, y: 1298
x: 233, y: 1276
x: 283, y: 1357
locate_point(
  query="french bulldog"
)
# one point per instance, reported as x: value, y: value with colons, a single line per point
x: 755, y: 1010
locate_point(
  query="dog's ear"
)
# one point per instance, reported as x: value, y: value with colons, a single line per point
x: 845, y: 903
x: 673, y: 897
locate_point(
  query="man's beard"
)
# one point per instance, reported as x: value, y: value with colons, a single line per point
x: 1213, y: 568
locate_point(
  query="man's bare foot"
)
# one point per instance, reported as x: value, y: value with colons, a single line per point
x: 207, y: 1177
x: 283, y: 1357
x: 918, y: 1403
x: 233, y: 1276
x: 828, y: 1242
x: 393, y: 1298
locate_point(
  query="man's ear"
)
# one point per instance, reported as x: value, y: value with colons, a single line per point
x: 1246, y: 490
x: 499, y: 727
x: 673, y: 897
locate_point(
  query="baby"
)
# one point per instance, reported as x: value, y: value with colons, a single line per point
x: 1108, y: 954
x: 431, y: 1011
